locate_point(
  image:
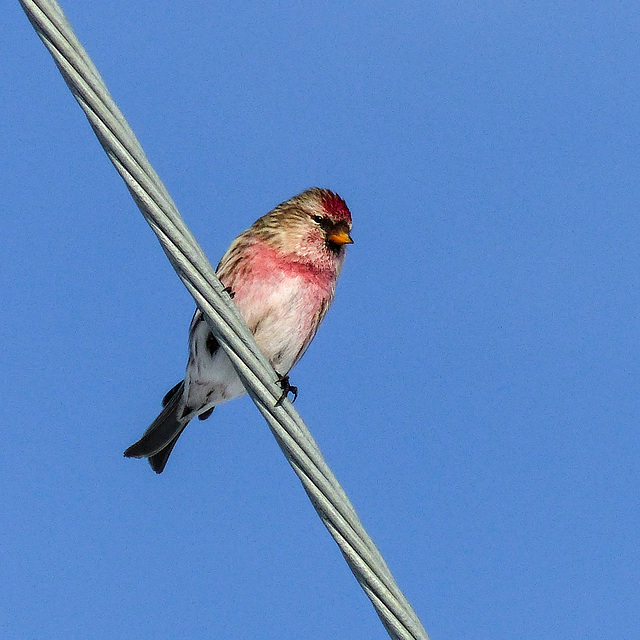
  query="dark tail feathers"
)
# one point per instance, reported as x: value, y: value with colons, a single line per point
x: 160, y: 438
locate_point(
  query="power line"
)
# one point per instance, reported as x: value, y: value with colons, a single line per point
x: 228, y: 327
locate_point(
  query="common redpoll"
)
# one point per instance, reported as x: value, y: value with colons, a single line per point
x: 282, y: 274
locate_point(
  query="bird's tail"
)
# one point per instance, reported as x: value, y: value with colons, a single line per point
x: 160, y: 438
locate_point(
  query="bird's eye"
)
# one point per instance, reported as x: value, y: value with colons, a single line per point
x: 317, y: 219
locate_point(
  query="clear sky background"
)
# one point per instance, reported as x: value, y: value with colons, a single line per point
x: 475, y: 386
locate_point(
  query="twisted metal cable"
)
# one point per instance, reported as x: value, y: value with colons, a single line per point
x: 226, y: 323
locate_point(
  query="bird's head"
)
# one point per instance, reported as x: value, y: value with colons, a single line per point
x: 313, y: 227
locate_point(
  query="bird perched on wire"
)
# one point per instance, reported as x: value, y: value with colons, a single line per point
x: 281, y: 273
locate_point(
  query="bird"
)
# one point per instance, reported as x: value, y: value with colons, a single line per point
x: 281, y: 273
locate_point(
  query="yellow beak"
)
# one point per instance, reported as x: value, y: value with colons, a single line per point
x: 339, y: 237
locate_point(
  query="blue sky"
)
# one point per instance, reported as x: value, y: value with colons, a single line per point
x: 474, y: 387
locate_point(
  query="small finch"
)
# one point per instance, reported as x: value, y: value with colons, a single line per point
x: 282, y: 275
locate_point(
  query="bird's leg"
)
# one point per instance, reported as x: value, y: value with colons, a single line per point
x: 232, y: 294
x: 287, y: 387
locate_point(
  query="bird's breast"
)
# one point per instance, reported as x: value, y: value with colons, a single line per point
x: 282, y: 311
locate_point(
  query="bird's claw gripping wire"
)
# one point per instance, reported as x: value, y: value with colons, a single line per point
x: 287, y: 387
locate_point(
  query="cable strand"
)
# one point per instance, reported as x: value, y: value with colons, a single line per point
x: 152, y: 198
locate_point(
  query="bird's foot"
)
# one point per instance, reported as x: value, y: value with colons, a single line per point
x: 287, y: 387
x: 230, y: 291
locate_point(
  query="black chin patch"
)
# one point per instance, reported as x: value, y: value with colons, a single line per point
x: 333, y: 247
